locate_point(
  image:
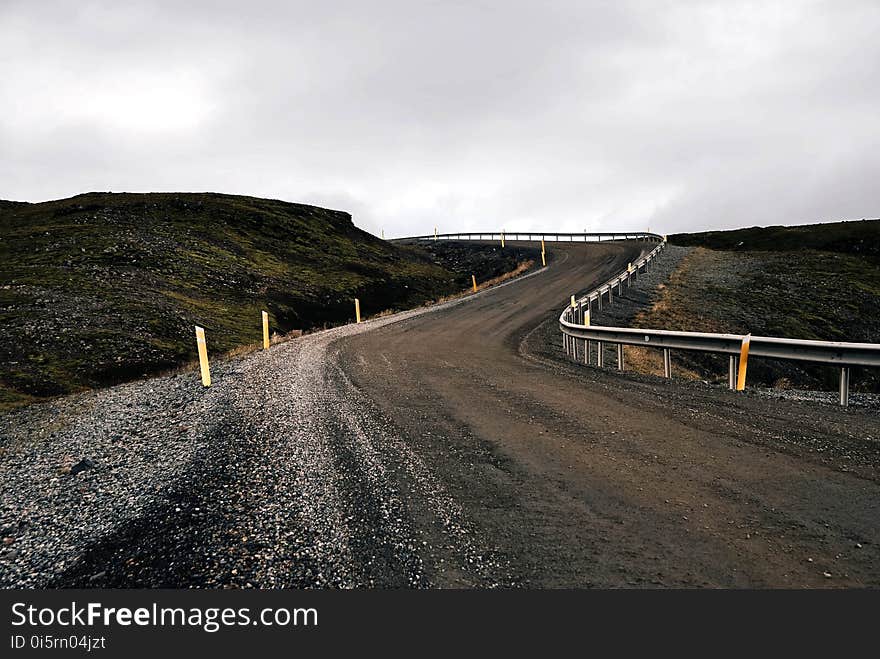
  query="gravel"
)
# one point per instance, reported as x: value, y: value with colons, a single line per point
x: 279, y: 475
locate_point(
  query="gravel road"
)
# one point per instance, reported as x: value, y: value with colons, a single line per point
x: 448, y: 446
x: 281, y: 474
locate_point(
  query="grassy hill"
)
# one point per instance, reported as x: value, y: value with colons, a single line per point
x: 102, y: 287
x: 817, y: 281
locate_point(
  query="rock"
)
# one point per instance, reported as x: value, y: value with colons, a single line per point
x: 82, y: 465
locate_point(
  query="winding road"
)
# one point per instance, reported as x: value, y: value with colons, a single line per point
x: 446, y: 447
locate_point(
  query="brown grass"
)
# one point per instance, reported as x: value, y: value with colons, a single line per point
x: 667, y: 313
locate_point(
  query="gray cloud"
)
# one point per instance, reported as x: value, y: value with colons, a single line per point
x: 463, y: 115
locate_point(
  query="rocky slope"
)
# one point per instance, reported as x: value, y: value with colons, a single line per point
x: 103, y: 288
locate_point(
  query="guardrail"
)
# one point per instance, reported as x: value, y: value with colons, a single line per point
x: 552, y: 236
x: 578, y: 333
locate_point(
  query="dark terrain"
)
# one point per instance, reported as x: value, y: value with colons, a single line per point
x: 103, y: 288
x: 856, y: 237
x: 818, y: 281
x: 451, y: 445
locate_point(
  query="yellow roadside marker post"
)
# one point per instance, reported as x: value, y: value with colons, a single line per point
x: 474, y: 280
x: 543, y: 257
x: 743, y: 363
x: 265, y: 330
x: 502, y: 239
x: 357, y: 309
x: 203, y: 356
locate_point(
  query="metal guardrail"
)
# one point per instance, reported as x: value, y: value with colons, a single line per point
x: 577, y: 336
x: 571, y: 320
x: 552, y: 236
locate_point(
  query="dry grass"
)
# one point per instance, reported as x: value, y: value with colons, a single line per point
x: 522, y: 267
x: 516, y: 272
x: 668, y: 313
x: 650, y: 362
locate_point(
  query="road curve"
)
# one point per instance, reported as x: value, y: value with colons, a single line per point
x: 449, y: 446
x: 587, y: 478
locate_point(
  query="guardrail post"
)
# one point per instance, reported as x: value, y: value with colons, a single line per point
x: 844, y: 386
x: 731, y: 372
x: 667, y: 363
x: 600, y: 358
x: 620, y: 365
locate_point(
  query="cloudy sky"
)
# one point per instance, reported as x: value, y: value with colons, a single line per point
x: 466, y: 115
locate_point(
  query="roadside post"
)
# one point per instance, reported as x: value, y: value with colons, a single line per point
x: 743, y: 362
x: 357, y: 310
x: 203, y: 356
x: 474, y: 282
x: 265, y: 330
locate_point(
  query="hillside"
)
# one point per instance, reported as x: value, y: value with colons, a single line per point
x: 102, y: 287
x: 859, y: 238
x: 809, y: 282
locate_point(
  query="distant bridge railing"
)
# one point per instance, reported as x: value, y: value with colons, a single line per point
x: 578, y: 334
x: 550, y: 236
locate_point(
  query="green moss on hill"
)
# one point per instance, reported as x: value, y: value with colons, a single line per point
x: 102, y: 287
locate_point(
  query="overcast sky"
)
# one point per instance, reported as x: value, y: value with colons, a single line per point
x: 464, y: 115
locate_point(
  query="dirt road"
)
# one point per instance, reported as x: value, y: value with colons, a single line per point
x: 588, y: 478
x: 449, y: 446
